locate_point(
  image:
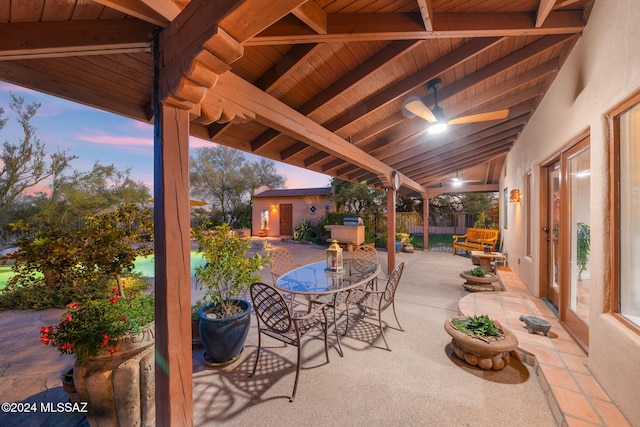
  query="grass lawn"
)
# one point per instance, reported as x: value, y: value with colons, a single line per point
x: 435, y: 240
x: 5, y: 274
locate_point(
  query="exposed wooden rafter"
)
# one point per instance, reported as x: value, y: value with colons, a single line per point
x: 346, y: 27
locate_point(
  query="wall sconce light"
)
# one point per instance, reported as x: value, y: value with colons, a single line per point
x: 514, y: 196
x: 274, y: 208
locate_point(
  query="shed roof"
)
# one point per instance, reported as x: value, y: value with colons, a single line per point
x: 295, y: 192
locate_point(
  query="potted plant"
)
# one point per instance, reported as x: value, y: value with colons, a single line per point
x: 108, y: 323
x: 584, y: 245
x: 481, y: 341
x: 407, y: 245
x: 226, y: 276
x: 478, y: 280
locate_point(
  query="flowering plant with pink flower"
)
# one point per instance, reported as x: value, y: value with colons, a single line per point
x: 94, y: 325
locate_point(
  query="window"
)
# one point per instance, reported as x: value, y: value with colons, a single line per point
x: 625, y: 123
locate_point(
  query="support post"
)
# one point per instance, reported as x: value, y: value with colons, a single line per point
x: 391, y: 230
x: 173, y: 368
x: 425, y: 221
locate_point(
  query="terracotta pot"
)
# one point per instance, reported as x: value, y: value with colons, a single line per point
x: 120, y: 387
x: 477, y: 352
x: 479, y: 284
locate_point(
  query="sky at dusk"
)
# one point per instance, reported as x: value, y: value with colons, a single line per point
x: 94, y: 135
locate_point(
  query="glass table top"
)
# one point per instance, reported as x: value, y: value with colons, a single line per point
x: 313, y: 279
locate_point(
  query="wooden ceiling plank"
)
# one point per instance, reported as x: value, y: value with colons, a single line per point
x: 439, y: 191
x: 544, y: 9
x: 216, y: 129
x: 386, y: 55
x: 316, y: 158
x: 157, y: 12
x: 244, y: 23
x: 478, y: 132
x: 28, y: 40
x: 406, y: 133
x: 426, y: 10
x: 263, y: 139
x: 455, y: 164
x: 277, y: 115
x: 292, y: 150
x: 460, y: 149
x: 391, y: 52
x: 391, y: 93
x: 404, y: 158
x: 312, y: 15
x: 14, y: 72
x: 285, y: 66
x: 413, y: 130
x: 564, y: 3
x: 355, y: 27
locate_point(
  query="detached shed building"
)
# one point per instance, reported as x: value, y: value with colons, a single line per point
x: 277, y: 212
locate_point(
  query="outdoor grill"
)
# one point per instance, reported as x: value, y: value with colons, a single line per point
x: 351, y: 232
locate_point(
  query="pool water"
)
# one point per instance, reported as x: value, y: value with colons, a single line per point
x: 143, y: 265
x: 146, y: 265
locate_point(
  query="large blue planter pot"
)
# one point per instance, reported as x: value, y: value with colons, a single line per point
x: 223, y: 339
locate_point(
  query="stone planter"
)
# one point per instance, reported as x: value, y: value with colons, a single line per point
x: 120, y: 387
x: 493, y: 355
x: 479, y: 284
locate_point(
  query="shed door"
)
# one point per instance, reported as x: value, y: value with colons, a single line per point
x: 286, y: 218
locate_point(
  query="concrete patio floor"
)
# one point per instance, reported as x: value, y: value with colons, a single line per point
x: 420, y: 382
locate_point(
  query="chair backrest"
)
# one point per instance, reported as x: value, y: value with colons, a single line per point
x: 281, y: 262
x: 364, y: 257
x: 271, y: 308
x: 392, y: 285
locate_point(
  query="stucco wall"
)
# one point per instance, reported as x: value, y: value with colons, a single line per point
x: 602, y: 70
x: 301, y: 209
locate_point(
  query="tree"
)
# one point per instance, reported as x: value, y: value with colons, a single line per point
x: 224, y: 178
x: 86, y: 193
x: 25, y: 164
x: 357, y: 198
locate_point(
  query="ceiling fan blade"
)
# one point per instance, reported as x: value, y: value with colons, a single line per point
x: 482, y: 117
x: 416, y: 107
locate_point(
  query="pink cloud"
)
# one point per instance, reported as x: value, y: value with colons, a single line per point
x: 32, y: 191
x: 107, y: 139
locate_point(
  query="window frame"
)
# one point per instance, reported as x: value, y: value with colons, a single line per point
x: 612, y: 276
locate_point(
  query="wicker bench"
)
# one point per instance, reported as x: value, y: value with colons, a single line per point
x: 475, y: 239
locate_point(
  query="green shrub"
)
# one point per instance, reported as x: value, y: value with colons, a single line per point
x: 481, y: 326
x: 476, y: 272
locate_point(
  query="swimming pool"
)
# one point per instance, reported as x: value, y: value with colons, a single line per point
x: 146, y: 265
x: 143, y: 265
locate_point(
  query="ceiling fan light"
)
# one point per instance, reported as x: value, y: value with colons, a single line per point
x: 437, y: 128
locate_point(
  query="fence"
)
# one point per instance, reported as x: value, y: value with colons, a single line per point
x: 445, y: 224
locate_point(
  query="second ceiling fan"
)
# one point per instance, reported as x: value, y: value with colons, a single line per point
x: 436, y: 117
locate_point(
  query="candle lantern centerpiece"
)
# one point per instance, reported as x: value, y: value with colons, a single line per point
x: 334, y: 258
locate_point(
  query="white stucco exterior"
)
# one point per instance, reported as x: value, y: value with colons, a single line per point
x: 602, y: 71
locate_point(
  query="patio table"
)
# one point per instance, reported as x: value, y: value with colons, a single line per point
x: 313, y: 281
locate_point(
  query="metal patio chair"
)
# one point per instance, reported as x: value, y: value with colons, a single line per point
x: 377, y: 301
x: 276, y: 320
x: 281, y: 262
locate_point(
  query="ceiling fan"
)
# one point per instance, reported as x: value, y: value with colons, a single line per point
x: 457, y: 180
x: 436, y: 117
